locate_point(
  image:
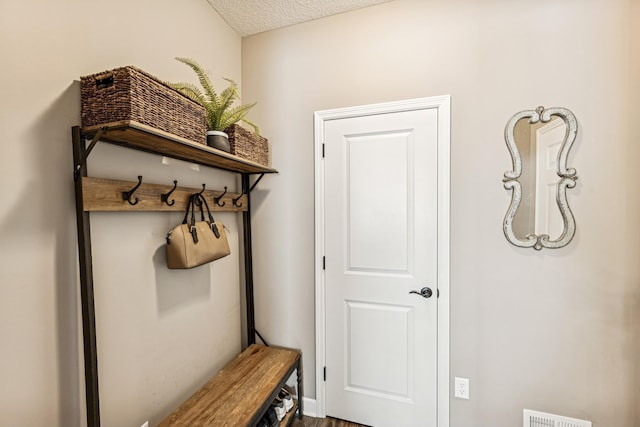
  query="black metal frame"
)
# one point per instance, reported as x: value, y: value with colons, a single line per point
x: 248, y: 263
x: 80, y: 154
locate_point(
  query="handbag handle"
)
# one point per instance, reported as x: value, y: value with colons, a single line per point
x: 199, y: 202
x: 198, y: 199
x: 212, y: 222
x: 191, y: 208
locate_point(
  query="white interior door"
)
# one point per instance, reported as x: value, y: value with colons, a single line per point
x: 381, y: 243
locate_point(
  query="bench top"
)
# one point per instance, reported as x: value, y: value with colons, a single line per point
x: 240, y: 392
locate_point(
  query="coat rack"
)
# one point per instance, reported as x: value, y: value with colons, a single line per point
x: 110, y: 195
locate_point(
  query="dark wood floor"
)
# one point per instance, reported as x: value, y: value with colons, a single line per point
x: 323, y: 422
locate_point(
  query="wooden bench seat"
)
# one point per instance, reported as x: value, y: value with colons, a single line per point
x: 242, y: 391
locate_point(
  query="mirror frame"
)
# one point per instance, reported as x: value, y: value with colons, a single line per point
x: 567, y: 178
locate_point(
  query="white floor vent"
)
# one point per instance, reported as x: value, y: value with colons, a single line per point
x: 540, y: 419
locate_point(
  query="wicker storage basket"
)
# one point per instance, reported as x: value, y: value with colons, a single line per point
x: 130, y: 94
x: 248, y: 145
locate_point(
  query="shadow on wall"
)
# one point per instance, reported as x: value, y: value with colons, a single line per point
x: 177, y: 288
x: 47, y: 206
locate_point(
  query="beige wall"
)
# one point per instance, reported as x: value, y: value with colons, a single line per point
x: 555, y: 330
x: 634, y: 131
x: 160, y: 333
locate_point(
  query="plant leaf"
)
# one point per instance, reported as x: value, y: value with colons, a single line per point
x: 256, y: 129
x: 190, y: 91
x: 219, y: 110
x: 205, y: 82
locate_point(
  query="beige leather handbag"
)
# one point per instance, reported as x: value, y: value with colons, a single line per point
x: 194, y: 243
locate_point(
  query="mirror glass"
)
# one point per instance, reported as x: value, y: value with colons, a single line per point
x: 539, y: 141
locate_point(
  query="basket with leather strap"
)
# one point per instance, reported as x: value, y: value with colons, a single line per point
x: 130, y: 94
x: 248, y: 145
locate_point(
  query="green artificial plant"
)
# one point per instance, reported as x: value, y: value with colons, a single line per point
x: 219, y: 110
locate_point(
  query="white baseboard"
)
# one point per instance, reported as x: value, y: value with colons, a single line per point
x: 309, y: 408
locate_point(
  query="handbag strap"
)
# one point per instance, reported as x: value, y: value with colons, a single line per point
x: 200, y: 201
x: 189, y: 206
x: 192, y: 226
x: 212, y: 222
x: 203, y: 201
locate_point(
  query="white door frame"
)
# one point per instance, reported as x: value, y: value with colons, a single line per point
x: 443, y: 105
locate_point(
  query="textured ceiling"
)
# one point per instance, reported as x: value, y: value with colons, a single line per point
x: 249, y: 17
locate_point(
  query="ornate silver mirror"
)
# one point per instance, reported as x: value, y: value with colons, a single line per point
x: 539, y: 142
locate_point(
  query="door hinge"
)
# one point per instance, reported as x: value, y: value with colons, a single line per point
x: 324, y: 263
x: 325, y: 373
x: 437, y: 293
x: 323, y: 150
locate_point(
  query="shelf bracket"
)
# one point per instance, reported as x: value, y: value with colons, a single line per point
x: 256, y: 183
x: 261, y: 339
x: 92, y: 144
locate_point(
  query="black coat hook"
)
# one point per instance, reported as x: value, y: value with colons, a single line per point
x: 236, y: 201
x: 197, y: 195
x: 217, y: 199
x: 126, y: 195
x: 165, y: 197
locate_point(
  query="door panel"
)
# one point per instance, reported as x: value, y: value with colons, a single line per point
x: 373, y: 218
x: 381, y: 243
x: 394, y: 382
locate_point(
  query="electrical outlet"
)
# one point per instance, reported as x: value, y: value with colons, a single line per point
x: 462, y: 388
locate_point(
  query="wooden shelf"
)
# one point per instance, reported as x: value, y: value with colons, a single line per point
x: 145, y: 138
x: 241, y: 392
